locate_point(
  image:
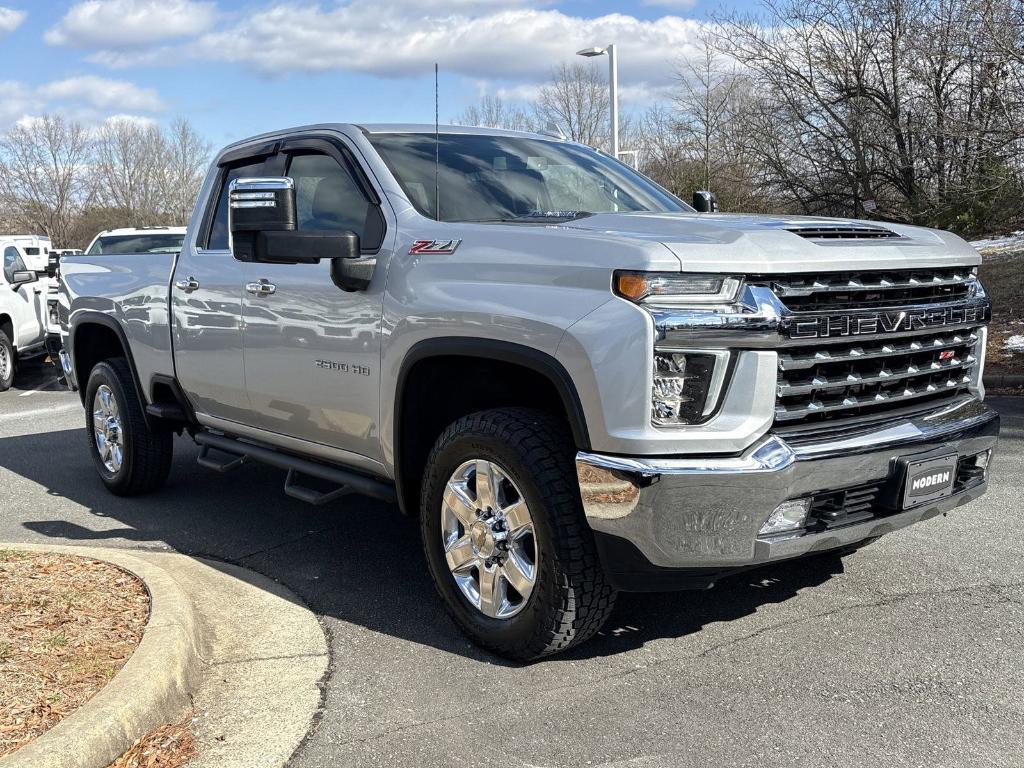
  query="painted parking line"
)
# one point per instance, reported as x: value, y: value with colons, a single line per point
x: 40, y: 388
x: 39, y: 412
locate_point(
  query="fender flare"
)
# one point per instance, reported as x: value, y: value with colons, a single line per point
x: 490, y: 349
x: 99, y: 318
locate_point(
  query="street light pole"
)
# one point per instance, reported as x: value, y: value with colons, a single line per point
x: 613, y: 88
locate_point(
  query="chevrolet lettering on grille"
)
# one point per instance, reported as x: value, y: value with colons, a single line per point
x: 876, y: 323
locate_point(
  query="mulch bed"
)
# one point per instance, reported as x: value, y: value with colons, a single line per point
x: 67, y: 625
x: 169, y: 746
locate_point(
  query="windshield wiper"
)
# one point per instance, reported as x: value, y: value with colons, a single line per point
x: 535, y: 217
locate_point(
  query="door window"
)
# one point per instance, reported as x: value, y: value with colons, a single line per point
x: 327, y: 197
x: 218, y: 239
x: 12, y: 263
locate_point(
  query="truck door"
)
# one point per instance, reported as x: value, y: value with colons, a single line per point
x: 312, y: 351
x: 26, y: 304
x: 206, y: 302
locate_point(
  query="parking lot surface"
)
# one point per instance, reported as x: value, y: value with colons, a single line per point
x: 905, y: 653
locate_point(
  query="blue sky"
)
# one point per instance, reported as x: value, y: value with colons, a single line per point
x: 237, y: 67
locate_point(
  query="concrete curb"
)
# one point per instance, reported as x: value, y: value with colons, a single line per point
x: 240, y: 650
x: 1004, y: 380
x: 153, y: 688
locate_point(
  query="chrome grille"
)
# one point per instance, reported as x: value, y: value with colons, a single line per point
x: 846, y: 290
x: 842, y: 377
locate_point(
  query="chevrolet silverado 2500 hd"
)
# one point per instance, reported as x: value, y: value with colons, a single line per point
x: 576, y: 382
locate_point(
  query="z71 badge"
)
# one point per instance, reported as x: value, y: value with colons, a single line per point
x: 434, y: 247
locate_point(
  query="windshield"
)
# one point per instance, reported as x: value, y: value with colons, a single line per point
x: 119, y: 244
x: 507, y: 178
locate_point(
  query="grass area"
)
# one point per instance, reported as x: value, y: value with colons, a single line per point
x: 1003, y: 278
x: 67, y: 625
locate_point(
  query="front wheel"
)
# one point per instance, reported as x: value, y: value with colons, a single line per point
x: 6, y: 362
x: 505, y: 536
x: 130, y: 457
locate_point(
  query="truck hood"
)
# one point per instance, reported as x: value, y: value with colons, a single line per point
x: 752, y: 244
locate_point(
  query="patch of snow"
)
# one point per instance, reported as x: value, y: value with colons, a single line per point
x: 1014, y: 344
x: 996, y: 245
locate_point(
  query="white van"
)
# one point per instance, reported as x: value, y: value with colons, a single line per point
x: 22, y: 311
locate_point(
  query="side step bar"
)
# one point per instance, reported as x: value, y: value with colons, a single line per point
x: 347, y: 481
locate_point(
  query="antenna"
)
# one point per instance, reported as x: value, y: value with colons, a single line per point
x: 437, y: 142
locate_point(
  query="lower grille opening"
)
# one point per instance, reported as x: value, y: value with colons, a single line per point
x: 849, y: 506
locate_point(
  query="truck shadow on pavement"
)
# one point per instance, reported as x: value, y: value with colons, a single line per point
x: 357, y: 560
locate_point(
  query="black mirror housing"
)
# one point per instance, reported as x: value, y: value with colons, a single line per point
x: 705, y: 202
x: 23, y: 277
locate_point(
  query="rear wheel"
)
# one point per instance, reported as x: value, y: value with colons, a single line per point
x: 505, y: 537
x: 6, y: 362
x: 130, y: 457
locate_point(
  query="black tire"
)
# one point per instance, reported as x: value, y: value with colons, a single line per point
x: 7, y: 347
x: 146, y: 453
x: 571, y: 598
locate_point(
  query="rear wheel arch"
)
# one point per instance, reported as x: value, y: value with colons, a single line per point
x: 442, y: 380
x: 95, y: 338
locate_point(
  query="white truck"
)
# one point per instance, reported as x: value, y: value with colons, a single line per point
x: 577, y: 383
x: 23, y: 311
x: 35, y: 250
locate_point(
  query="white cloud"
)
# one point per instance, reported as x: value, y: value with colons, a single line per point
x: 364, y: 36
x: 10, y: 20
x: 517, y: 42
x: 127, y: 24
x: 102, y: 94
x: 88, y: 99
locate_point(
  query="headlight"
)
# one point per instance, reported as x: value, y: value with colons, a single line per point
x: 686, y: 386
x: 671, y: 288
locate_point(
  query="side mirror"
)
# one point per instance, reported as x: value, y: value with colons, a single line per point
x: 263, y: 225
x: 705, y: 202
x: 22, y: 277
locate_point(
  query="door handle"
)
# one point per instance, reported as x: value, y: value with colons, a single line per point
x: 187, y: 285
x: 262, y: 288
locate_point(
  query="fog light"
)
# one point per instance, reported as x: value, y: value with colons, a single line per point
x: 981, y: 460
x: 788, y: 516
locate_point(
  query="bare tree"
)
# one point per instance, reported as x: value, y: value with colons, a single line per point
x: 131, y: 161
x: 494, y: 112
x: 893, y: 108
x: 576, y: 103
x: 187, y: 157
x: 45, y: 176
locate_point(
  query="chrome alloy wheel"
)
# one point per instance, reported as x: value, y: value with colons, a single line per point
x: 488, y: 539
x: 5, y: 363
x: 106, y: 427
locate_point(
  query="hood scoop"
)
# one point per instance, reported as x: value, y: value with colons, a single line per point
x: 843, y: 232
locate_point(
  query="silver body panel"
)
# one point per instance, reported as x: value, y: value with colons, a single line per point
x: 254, y: 365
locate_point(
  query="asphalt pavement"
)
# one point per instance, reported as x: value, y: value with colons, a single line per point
x: 909, y: 652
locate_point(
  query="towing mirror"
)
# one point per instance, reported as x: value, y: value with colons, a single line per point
x: 22, y: 277
x: 262, y: 219
x: 705, y: 202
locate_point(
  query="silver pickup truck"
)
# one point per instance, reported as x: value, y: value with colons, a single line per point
x: 576, y: 382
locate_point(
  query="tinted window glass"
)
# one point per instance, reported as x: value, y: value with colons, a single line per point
x: 12, y: 263
x: 218, y: 240
x: 121, y: 244
x: 505, y: 178
x: 31, y: 251
x: 326, y: 195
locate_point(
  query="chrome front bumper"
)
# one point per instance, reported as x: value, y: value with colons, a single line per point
x: 706, y: 513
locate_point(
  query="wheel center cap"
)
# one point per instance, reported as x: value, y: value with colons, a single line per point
x: 482, y: 538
